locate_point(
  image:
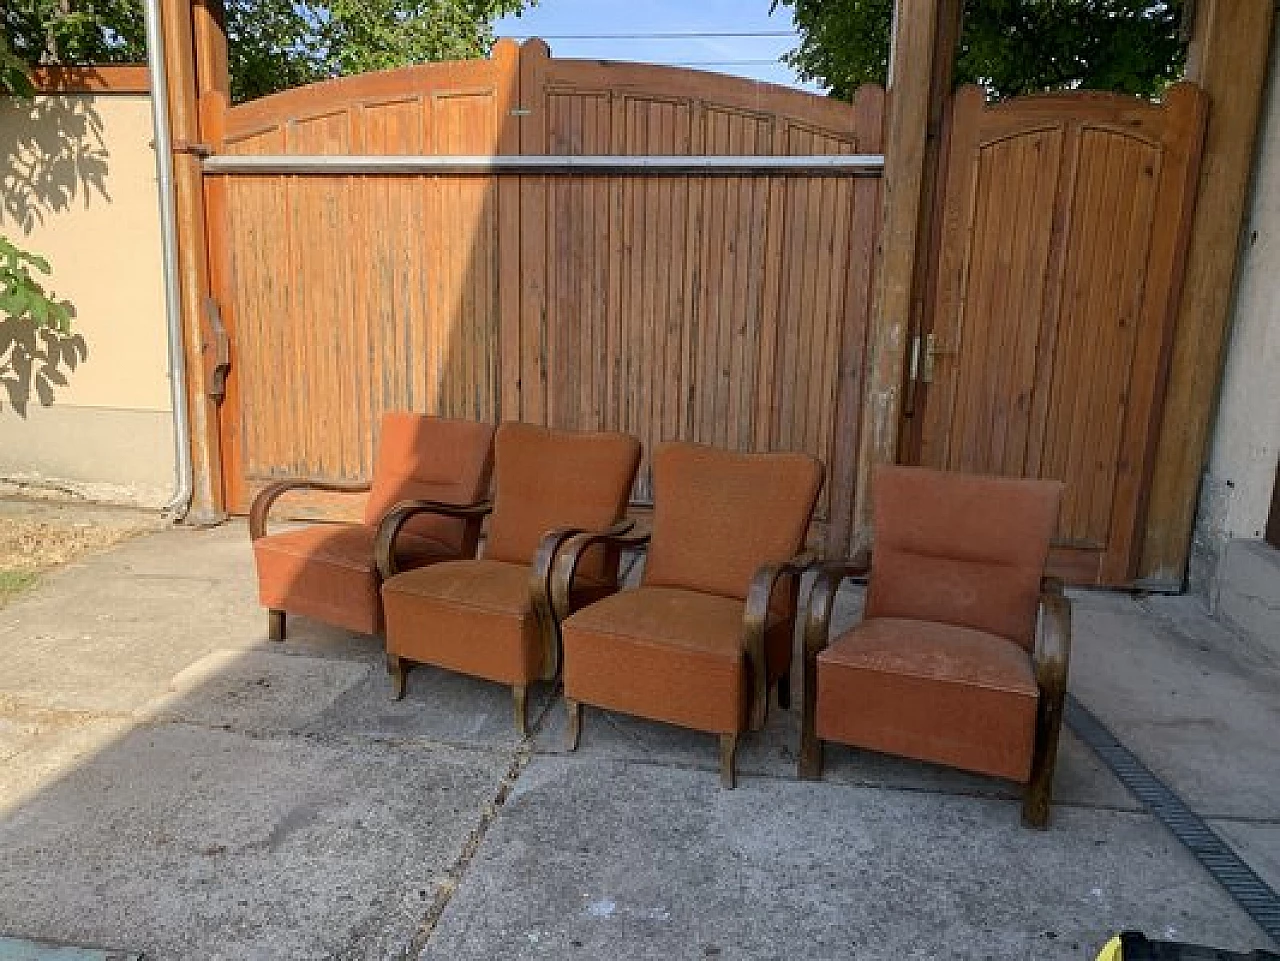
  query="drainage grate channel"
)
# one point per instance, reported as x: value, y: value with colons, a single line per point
x: 1248, y: 890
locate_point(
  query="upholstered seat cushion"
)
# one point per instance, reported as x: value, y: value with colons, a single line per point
x: 937, y: 692
x: 327, y: 571
x: 471, y: 616
x: 667, y: 654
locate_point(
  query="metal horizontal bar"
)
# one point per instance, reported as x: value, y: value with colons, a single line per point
x: 855, y: 165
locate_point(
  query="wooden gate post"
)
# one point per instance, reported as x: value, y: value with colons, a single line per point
x: 1230, y: 48
x: 207, y: 506
x: 921, y: 61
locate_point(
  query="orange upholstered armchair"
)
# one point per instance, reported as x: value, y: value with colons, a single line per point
x: 947, y: 664
x: 491, y: 617
x: 708, y: 633
x: 327, y: 571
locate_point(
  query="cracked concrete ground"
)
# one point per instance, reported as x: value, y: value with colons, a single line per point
x: 172, y: 782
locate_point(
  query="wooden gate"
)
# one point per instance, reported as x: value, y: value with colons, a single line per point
x: 1064, y: 222
x: 726, y: 307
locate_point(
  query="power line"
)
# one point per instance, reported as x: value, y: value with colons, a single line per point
x: 723, y: 63
x: 690, y: 35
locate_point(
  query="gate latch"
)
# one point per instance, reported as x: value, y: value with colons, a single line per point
x: 931, y: 351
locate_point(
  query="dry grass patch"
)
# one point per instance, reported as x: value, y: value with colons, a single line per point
x: 29, y: 547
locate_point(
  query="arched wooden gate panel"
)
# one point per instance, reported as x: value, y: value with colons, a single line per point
x: 1065, y: 222
x: 726, y: 309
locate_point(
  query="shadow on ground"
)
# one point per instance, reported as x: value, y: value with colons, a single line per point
x: 172, y: 782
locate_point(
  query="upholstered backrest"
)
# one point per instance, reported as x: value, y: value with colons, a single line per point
x: 719, y: 515
x: 961, y: 549
x: 545, y: 479
x: 430, y: 458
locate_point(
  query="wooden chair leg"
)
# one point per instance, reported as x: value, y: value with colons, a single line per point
x: 728, y: 761
x: 275, y: 625
x: 520, y: 701
x: 398, y: 670
x: 784, y: 691
x: 810, y: 763
x: 1037, y: 798
x: 811, y: 757
x: 574, y: 730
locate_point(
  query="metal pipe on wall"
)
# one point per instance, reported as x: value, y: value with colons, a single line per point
x: 183, y: 485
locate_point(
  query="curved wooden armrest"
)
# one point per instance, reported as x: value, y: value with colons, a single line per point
x: 755, y: 621
x: 393, y: 520
x: 540, y: 571
x: 1052, y: 654
x: 822, y: 598
x: 566, y: 561
x: 261, y: 506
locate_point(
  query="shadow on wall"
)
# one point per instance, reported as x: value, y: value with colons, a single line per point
x: 35, y: 359
x: 55, y: 156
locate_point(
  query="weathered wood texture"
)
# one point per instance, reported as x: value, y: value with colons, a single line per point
x: 923, y: 51
x: 1228, y: 57
x: 186, y: 128
x: 730, y: 310
x: 1064, y: 231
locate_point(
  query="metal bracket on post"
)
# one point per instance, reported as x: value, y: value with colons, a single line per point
x: 216, y: 339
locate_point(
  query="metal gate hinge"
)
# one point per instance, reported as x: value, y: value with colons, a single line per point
x: 195, y: 149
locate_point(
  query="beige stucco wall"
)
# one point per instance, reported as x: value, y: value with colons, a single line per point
x: 79, y: 187
x: 1236, y: 494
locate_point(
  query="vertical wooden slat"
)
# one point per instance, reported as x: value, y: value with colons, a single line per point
x: 859, y: 283
x: 506, y: 54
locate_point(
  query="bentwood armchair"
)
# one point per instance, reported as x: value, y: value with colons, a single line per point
x: 327, y: 571
x: 491, y: 617
x: 709, y: 632
x: 947, y: 664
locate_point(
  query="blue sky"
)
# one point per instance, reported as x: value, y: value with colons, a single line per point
x: 557, y: 21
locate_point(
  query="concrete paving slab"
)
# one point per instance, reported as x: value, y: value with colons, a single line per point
x: 1081, y: 778
x: 185, y: 842
x: 38, y: 743
x: 217, y: 552
x: 591, y: 859
x: 257, y: 691
x: 438, y: 706
x: 1201, y: 717
x: 109, y: 632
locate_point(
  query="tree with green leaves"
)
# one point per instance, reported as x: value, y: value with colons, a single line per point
x: 1010, y: 47
x: 273, y: 44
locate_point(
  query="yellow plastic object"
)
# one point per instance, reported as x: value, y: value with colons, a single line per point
x: 1111, y: 951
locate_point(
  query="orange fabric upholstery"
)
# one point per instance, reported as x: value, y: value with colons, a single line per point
x: 546, y: 479
x: 961, y: 549
x: 930, y: 691
x: 673, y: 649
x: 477, y: 616
x: 720, y: 515
x: 434, y: 459
x: 940, y: 668
x: 669, y: 655
x: 328, y: 571
x: 474, y: 617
